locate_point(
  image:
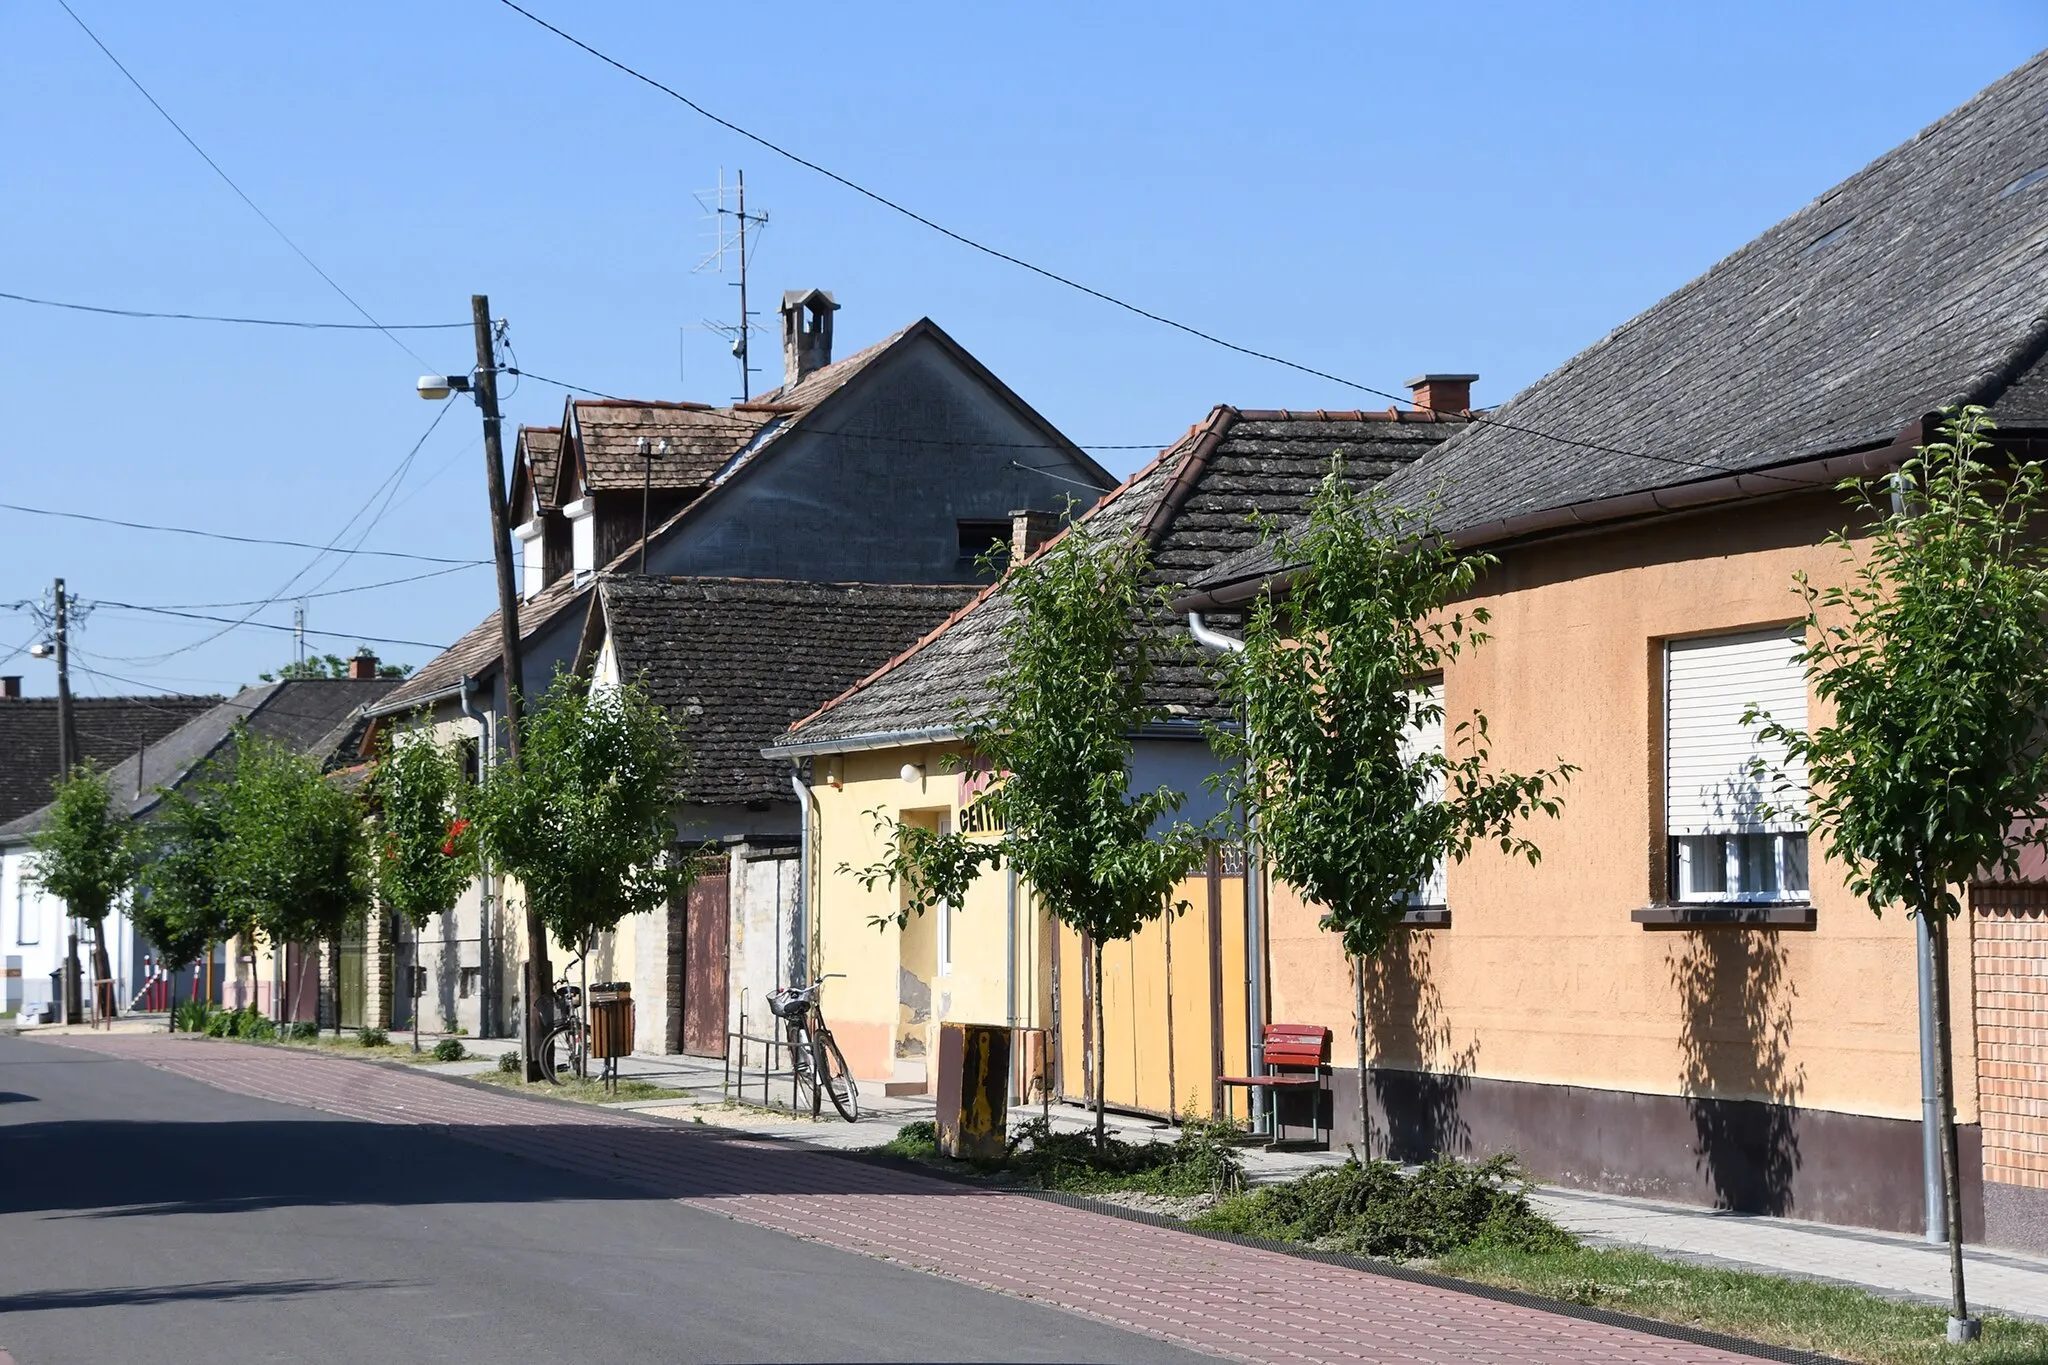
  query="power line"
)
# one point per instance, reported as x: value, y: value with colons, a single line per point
x: 229, y: 181
x: 1073, y: 284
x: 226, y: 536
x: 232, y: 623
x: 311, y: 596
x: 246, y: 322
x: 265, y: 707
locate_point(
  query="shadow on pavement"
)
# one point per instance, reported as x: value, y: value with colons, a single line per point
x: 209, y: 1290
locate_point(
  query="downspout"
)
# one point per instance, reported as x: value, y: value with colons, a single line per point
x: 488, y: 1022
x: 802, y: 967
x: 1254, y: 913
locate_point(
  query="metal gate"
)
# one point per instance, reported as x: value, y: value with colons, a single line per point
x: 707, y: 931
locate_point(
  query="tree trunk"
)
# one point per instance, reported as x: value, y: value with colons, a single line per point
x: 1944, y: 1099
x: 102, y: 969
x: 418, y: 955
x: 1101, y: 1124
x: 1358, y: 1021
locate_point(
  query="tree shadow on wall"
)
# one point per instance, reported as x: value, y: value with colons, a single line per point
x: 1735, y: 1029
x: 1418, y: 1081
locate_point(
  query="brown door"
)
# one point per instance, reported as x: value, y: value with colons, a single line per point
x: 706, y: 930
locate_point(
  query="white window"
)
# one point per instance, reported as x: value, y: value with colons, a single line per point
x: 582, y: 536
x: 28, y: 927
x: 1734, y: 835
x: 533, y: 557
x: 1426, y: 736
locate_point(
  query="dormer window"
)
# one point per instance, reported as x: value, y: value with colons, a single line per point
x: 533, y: 558
x: 582, y: 537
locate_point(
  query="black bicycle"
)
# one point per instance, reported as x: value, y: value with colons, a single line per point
x: 565, y: 1052
x: 815, y: 1060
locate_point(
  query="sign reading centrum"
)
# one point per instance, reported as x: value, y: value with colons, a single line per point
x: 976, y: 817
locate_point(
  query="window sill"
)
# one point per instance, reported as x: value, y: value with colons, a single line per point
x: 1751, y: 914
x: 1429, y: 917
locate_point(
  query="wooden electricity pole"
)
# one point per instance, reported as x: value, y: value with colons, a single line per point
x: 67, y: 759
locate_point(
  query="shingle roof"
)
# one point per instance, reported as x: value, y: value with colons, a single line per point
x: 700, y: 441
x: 314, y: 716
x: 539, y: 453
x: 1917, y: 283
x: 1194, y: 504
x: 109, y: 729
x: 738, y: 659
x: 477, y: 654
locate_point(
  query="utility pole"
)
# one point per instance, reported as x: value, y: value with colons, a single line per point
x: 718, y: 213
x: 67, y: 759
x: 537, y: 978
x: 299, y: 633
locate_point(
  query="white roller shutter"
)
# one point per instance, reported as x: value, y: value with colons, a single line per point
x: 1709, y: 683
x: 1427, y: 737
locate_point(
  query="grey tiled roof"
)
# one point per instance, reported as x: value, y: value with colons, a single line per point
x: 736, y: 660
x: 109, y: 729
x: 1194, y: 504
x: 477, y: 653
x: 313, y: 716
x: 1919, y: 282
x: 700, y: 441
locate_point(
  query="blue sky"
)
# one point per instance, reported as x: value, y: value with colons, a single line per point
x: 1372, y: 190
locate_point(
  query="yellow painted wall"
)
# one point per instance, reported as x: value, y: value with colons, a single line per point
x: 1541, y: 975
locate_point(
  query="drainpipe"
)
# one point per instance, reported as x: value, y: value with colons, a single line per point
x: 1254, y: 916
x: 1010, y: 949
x: 488, y: 1022
x: 803, y: 874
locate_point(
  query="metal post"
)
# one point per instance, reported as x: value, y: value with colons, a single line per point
x: 1930, y: 1108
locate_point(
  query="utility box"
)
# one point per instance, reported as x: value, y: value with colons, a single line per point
x: 611, y: 1019
x: 974, y: 1091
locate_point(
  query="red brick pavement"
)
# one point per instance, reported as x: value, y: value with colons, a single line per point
x: 1210, y: 1295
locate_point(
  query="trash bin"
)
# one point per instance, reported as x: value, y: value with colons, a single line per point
x: 611, y: 1019
x: 974, y: 1091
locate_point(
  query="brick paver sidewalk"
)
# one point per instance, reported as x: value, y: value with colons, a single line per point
x: 1210, y: 1295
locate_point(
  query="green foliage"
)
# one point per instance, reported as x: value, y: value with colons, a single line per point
x: 86, y: 853
x: 1374, y: 1209
x: 511, y: 1063
x: 330, y: 666
x: 193, y: 1016
x: 246, y: 1022
x: 1202, y: 1160
x: 1934, y: 662
x: 1350, y: 811
x: 913, y: 1140
x: 295, y: 861
x: 426, y: 850
x: 372, y: 1037
x: 181, y: 908
x: 450, y: 1050
x: 584, y: 819
x: 303, y: 1031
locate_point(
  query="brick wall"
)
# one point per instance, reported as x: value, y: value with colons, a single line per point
x: 2011, y: 968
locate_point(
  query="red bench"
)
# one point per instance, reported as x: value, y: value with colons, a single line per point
x: 1297, y: 1057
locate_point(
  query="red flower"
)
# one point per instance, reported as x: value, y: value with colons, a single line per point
x: 455, y: 831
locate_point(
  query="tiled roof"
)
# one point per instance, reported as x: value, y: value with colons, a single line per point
x: 1194, y: 504
x: 539, y: 452
x: 314, y: 716
x: 700, y: 441
x: 1917, y: 283
x: 477, y: 653
x: 109, y: 729
x: 736, y: 660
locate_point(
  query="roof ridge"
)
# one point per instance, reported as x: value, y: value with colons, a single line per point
x: 610, y: 578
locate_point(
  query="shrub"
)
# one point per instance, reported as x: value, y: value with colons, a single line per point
x: 448, y: 1050
x: 917, y: 1139
x: 373, y: 1037
x: 1374, y: 1209
x: 1202, y: 1160
x: 254, y: 1027
x: 193, y: 1016
x: 511, y: 1063
x: 303, y: 1032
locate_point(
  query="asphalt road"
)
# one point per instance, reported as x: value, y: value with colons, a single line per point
x: 149, y: 1218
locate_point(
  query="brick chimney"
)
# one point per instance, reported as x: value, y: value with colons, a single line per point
x: 362, y: 667
x: 1449, y: 394
x: 1029, y: 530
x: 806, y: 333
x: 10, y: 686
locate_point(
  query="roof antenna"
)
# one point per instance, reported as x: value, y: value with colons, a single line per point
x: 729, y: 233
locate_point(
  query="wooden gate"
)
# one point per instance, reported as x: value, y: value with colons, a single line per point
x: 707, y: 931
x: 1174, y: 1003
x: 352, y: 983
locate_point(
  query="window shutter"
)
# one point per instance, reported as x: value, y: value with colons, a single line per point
x: 1427, y: 737
x: 1708, y: 786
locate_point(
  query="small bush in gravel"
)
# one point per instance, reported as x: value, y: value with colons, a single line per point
x: 1202, y: 1160
x: 373, y: 1037
x: 919, y: 1139
x: 511, y: 1063
x: 1374, y: 1209
x: 449, y: 1050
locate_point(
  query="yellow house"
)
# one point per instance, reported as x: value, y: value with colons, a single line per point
x: 1683, y: 998
x: 1181, y: 999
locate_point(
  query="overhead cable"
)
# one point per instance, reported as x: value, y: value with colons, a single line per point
x: 246, y: 322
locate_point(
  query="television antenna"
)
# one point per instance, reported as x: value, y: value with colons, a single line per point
x: 729, y: 223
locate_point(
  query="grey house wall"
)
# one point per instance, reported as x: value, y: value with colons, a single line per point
x: 913, y: 446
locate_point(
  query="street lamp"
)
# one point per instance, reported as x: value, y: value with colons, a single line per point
x: 649, y: 454
x: 435, y: 387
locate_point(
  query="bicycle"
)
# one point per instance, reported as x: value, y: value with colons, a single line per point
x: 816, y: 1063
x: 566, y: 1048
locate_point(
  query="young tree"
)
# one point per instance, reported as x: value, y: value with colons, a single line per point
x: 1057, y: 731
x: 585, y: 819
x: 1934, y: 662
x: 1347, y: 806
x: 425, y: 851
x: 295, y: 866
x: 180, y: 907
x: 330, y: 666
x: 86, y: 854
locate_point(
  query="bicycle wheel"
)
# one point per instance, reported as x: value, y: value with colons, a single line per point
x: 833, y: 1077
x: 804, y: 1070
x: 555, y: 1059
